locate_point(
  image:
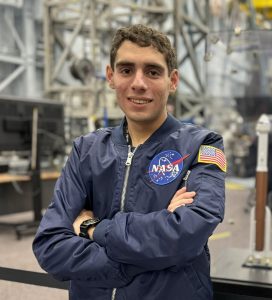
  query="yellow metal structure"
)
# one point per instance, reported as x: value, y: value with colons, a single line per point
x: 262, y: 4
x: 264, y: 7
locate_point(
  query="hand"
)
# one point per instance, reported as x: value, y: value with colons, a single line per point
x: 181, y: 198
x: 84, y: 215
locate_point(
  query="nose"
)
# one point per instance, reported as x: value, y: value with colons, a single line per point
x: 138, y: 82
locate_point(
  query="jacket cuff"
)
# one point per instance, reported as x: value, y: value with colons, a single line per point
x: 99, y: 234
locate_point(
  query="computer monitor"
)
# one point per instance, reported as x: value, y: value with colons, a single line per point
x: 16, y: 120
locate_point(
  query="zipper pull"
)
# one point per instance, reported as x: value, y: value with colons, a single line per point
x: 129, y: 158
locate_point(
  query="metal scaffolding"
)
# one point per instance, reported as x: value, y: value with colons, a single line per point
x: 17, y: 51
x: 77, y: 36
x: 75, y: 45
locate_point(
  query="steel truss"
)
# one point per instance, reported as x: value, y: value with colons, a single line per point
x: 21, y: 59
x: 68, y: 23
x: 77, y: 35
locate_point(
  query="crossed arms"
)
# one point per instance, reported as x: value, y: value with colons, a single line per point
x: 129, y: 243
x: 181, y: 198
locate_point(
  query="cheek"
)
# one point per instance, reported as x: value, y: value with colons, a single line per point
x: 120, y: 88
x: 163, y: 94
x: 120, y: 95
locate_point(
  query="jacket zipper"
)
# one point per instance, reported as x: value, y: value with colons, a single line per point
x: 124, y: 191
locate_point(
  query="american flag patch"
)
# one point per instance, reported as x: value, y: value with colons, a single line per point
x: 212, y: 155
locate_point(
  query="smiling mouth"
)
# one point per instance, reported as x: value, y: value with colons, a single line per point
x: 139, y: 100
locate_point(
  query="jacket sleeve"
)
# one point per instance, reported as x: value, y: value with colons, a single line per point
x: 59, y: 250
x: 162, y: 239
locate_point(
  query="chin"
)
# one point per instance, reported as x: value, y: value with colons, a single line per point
x: 141, y: 119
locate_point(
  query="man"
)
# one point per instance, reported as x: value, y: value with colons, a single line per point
x: 135, y: 205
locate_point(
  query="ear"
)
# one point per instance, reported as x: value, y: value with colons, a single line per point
x: 109, y: 76
x: 174, y: 81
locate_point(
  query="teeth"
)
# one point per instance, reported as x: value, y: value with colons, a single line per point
x: 140, y: 101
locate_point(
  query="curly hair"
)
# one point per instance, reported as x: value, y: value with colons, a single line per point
x: 144, y: 36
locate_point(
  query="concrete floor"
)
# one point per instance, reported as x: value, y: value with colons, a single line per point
x: 18, y: 254
x: 232, y: 233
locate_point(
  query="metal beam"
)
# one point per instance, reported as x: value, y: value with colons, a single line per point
x: 69, y: 45
x: 192, y: 54
x: 11, y: 77
x: 62, y: 44
x: 30, y: 48
x: 201, y: 27
x: 15, y: 35
x: 136, y: 7
x: 194, y: 44
x: 12, y: 59
x: 48, y: 44
x: 69, y: 89
x: 190, y: 85
x: 199, y: 10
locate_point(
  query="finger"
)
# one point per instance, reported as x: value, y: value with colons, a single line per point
x: 180, y: 191
x: 183, y: 196
x: 87, y: 213
x: 183, y: 202
x: 76, y: 227
x: 84, y: 215
x: 186, y: 195
x: 82, y: 212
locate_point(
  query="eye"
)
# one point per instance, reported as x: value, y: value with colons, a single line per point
x: 125, y: 71
x: 153, y: 73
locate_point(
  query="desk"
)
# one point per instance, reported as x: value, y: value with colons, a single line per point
x: 232, y: 281
x: 45, y: 175
x: 6, y: 178
x: 17, y: 192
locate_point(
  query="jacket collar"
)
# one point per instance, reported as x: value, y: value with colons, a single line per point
x: 170, y: 125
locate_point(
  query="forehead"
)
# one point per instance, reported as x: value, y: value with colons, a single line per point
x: 133, y: 53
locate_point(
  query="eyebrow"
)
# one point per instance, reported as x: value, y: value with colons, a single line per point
x: 124, y: 63
x: 129, y: 63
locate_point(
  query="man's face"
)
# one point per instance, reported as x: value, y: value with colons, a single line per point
x: 142, y: 83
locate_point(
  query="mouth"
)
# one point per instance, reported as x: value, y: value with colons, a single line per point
x: 139, y: 100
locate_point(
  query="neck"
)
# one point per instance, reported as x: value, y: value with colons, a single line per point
x: 140, y: 132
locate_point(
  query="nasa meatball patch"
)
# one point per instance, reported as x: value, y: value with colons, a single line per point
x: 166, y: 167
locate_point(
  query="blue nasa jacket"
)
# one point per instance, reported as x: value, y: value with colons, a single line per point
x: 140, y: 249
